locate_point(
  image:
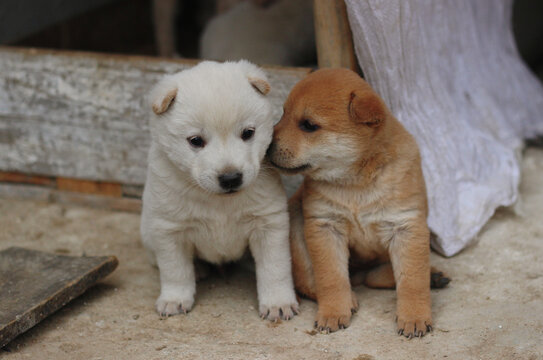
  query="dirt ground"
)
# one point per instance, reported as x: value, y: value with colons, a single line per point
x: 492, y: 309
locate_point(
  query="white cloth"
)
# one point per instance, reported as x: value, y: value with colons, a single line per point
x: 450, y: 72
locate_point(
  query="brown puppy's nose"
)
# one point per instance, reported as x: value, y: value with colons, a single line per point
x: 231, y: 181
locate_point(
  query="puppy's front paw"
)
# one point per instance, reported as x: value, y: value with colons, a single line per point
x: 274, y: 313
x: 412, y: 325
x: 335, y: 316
x: 168, y: 306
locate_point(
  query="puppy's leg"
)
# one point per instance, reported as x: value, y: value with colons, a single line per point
x: 302, y: 270
x: 270, y: 249
x: 327, y: 246
x: 177, y: 281
x: 410, y: 256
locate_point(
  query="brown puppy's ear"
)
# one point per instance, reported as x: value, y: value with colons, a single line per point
x: 260, y: 85
x: 162, y: 96
x: 366, y: 108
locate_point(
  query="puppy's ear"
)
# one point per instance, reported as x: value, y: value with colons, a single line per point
x: 256, y: 76
x: 163, y: 95
x: 259, y: 85
x: 367, y: 108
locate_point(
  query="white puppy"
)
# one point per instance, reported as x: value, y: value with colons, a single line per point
x: 208, y: 194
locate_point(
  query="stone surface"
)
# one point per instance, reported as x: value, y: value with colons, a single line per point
x: 491, y: 309
x: 34, y: 284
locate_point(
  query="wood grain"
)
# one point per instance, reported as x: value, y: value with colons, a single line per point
x: 333, y: 35
x: 45, y: 194
x: 13, y: 177
x: 90, y: 187
x: 34, y: 285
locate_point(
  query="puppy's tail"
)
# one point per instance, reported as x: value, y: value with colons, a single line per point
x: 302, y: 270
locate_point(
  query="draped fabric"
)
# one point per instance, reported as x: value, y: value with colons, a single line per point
x: 450, y: 72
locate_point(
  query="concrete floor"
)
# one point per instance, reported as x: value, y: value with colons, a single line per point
x: 492, y: 309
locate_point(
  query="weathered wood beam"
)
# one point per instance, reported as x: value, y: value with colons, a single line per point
x: 333, y: 35
x: 84, y: 115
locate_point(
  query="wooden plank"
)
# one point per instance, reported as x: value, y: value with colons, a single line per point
x: 96, y: 201
x: 25, y: 192
x: 90, y: 187
x: 84, y: 115
x: 333, y: 35
x: 40, y: 193
x: 34, y: 285
x: 13, y: 177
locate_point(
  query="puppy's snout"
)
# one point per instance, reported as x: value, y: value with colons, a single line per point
x: 231, y: 180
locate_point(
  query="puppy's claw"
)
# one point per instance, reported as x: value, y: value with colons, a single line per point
x: 429, y: 328
x: 276, y: 313
x: 400, y: 331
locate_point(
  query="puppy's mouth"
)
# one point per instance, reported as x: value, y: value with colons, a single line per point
x: 230, y: 192
x: 291, y: 170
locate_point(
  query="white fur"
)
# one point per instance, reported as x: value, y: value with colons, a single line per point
x: 185, y: 211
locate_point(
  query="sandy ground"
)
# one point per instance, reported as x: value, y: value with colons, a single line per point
x: 492, y: 309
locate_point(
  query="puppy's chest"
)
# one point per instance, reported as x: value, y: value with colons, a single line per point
x: 366, y: 221
x: 219, y: 238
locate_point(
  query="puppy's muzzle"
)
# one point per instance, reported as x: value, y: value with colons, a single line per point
x: 231, y: 181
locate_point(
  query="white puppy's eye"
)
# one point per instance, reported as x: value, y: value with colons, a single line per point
x: 247, y: 133
x: 196, y: 141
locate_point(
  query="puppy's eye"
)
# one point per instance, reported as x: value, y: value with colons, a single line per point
x: 247, y: 134
x: 308, y: 126
x: 196, y: 141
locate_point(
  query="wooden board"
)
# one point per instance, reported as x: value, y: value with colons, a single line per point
x: 34, y: 284
x: 333, y: 35
x: 84, y: 115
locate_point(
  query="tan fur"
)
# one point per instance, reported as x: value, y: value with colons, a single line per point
x: 162, y: 104
x: 363, y: 199
x: 260, y: 85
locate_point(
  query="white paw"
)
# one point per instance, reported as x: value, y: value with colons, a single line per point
x: 276, y: 312
x: 168, y: 306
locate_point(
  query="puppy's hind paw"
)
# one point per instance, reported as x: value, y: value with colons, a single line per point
x: 275, y: 313
x: 438, y: 280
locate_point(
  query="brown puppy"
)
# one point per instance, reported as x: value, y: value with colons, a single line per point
x: 363, y: 199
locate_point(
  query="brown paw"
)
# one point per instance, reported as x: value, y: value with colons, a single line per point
x: 335, y: 317
x: 327, y: 323
x: 438, y: 280
x: 414, y: 327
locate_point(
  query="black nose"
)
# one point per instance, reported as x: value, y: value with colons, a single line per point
x: 230, y: 181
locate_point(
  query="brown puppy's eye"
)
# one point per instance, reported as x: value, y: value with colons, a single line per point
x: 247, y: 134
x: 308, y: 126
x: 196, y: 141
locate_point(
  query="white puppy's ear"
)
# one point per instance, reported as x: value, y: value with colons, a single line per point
x: 163, y: 95
x: 256, y: 76
x: 260, y: 85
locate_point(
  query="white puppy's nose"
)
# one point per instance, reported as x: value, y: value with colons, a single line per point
x: 231, y: 180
